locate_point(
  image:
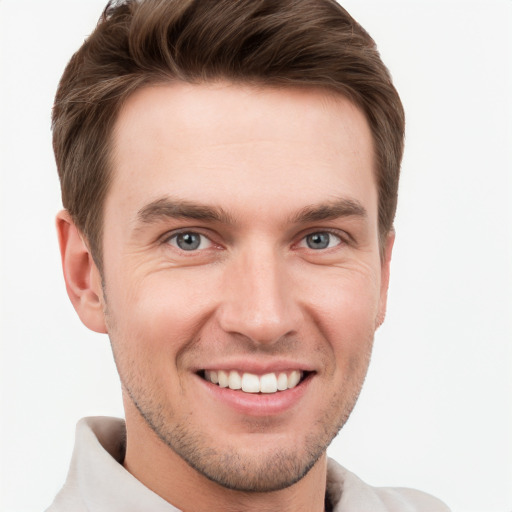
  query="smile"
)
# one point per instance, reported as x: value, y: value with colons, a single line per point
x: 252, y: 383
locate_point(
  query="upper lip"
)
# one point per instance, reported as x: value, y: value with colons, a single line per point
x: 257, y: 367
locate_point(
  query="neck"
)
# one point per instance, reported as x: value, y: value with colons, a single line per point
x: 160, y: 469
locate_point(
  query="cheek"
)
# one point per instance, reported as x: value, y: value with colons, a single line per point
x: 160, y: 312
x: 344, y: 311
x: 346, y: 304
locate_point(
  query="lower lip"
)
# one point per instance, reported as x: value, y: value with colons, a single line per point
x: 258, y: 404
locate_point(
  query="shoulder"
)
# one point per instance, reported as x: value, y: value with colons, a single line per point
x: 348, y: 493
x: 99, y: 448
x: 66, y: 500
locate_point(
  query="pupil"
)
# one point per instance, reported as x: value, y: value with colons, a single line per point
x: 318, y: 241
x: 188, y: 241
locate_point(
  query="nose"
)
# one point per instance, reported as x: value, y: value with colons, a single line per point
x: 260, y: 301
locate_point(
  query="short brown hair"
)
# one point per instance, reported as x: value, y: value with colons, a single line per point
x: 270, y: 42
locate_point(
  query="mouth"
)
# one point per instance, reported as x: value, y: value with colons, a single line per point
x: 246, y: 382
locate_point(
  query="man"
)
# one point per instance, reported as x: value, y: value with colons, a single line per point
x: 229, y: 172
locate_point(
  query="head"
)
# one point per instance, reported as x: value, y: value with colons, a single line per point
x: 286, y: 43
x: 230, y: 173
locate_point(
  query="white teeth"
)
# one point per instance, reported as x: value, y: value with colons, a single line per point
x: 251, y: 383
x: 282, y: 382
x: 293, y: 379
x: 223, y: 379
x: 235, y: 382
x: 268, y: 383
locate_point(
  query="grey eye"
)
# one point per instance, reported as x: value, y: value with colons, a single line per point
x: 189, y: 241
x: 321, y: 240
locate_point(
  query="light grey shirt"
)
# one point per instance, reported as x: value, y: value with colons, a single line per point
x: 98, y: 482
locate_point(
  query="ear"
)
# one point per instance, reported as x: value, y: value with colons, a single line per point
x: 384, y: 277
x: 83, y: 279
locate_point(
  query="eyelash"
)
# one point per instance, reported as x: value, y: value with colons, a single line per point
x: 341, y: 236
x: 175, y: 235
x: 332, y: 233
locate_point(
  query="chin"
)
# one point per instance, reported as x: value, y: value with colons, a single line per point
x: 245, y: 466
x: 260, y: 471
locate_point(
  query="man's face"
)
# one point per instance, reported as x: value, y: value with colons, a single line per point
x: 241, y: 244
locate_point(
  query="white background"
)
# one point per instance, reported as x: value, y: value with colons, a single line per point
x: 436, y: 410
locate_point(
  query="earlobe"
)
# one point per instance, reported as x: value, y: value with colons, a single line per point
x: 384, y: 283
x: 82, y: 277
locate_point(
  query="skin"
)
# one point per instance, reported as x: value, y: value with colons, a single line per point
x: 255, y: 172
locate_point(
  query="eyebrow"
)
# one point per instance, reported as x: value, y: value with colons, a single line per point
x: 167, y: 208
x: 329, y: 211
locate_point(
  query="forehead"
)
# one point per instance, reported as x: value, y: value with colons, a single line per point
x: 230, y: 143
